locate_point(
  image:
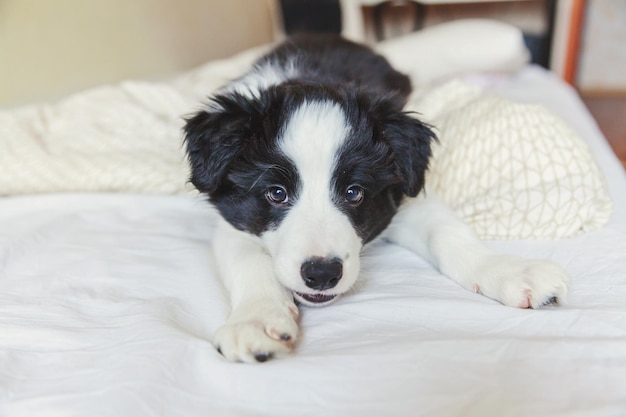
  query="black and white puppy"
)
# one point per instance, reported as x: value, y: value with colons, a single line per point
x: 310, y: 156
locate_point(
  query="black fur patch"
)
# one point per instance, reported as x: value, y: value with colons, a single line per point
x: 333, y: 61
x: 234, y: 158
x: 387, y: 155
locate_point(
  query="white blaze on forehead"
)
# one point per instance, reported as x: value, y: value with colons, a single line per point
x: 312, y: 138
x: 314, y: 226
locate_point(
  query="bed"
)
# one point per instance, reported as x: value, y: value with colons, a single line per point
x: 109, y: 297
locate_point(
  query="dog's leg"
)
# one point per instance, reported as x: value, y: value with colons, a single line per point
x: 428, y: 227
x: 263, y: 320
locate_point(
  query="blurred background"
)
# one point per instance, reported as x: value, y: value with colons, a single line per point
x: 51, y: 48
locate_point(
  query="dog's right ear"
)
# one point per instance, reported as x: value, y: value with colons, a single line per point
x: 215, y: 136
x: 409, y: 139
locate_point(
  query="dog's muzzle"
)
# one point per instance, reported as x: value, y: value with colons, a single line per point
x: 319, y: 274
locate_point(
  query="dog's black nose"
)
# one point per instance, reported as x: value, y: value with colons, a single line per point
x: 321, y: 273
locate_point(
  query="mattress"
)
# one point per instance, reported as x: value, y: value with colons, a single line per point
x: 108, y: 303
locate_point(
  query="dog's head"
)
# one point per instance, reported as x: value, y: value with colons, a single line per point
x: 312, y: 172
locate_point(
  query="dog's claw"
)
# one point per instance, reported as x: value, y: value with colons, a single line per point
x: 552, y: 301
x: 263, y: 357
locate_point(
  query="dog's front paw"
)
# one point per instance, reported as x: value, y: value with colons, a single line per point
x: 261, y: 334
x: 522, y: 283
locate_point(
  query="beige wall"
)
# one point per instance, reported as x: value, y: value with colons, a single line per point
x: 602, y: 65
x: 49, y: 48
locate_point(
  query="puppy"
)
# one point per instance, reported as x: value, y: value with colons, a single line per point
x: 310, y: 156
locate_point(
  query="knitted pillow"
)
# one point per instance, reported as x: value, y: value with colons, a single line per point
x: 511, y: 170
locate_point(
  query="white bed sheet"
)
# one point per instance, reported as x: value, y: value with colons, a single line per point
x: 108, y: 303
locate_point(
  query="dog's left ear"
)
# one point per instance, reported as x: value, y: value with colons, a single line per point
x: 214, y: 138
x: 410, y: 141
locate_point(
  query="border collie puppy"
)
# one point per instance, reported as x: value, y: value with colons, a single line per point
x: 310, y: 156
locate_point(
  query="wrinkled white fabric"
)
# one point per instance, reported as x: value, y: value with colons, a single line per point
x: 108, y: 301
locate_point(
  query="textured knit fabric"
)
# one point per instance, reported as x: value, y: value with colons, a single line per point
x: 511, y: 170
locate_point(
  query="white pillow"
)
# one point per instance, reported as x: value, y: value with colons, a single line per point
x: 456, y: 47
x: 511, y: 170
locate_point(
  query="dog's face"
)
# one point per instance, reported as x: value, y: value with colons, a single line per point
x: 312, y: 172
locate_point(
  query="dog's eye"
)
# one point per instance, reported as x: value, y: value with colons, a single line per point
x: 354, y: 195
x: 277, y: 196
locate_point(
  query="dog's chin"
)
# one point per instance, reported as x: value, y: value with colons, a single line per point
x: 315, y: 299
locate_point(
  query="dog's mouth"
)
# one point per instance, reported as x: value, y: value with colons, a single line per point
x: 316, y: 300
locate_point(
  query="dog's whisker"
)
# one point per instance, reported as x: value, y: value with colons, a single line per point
x: 259, y: 178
